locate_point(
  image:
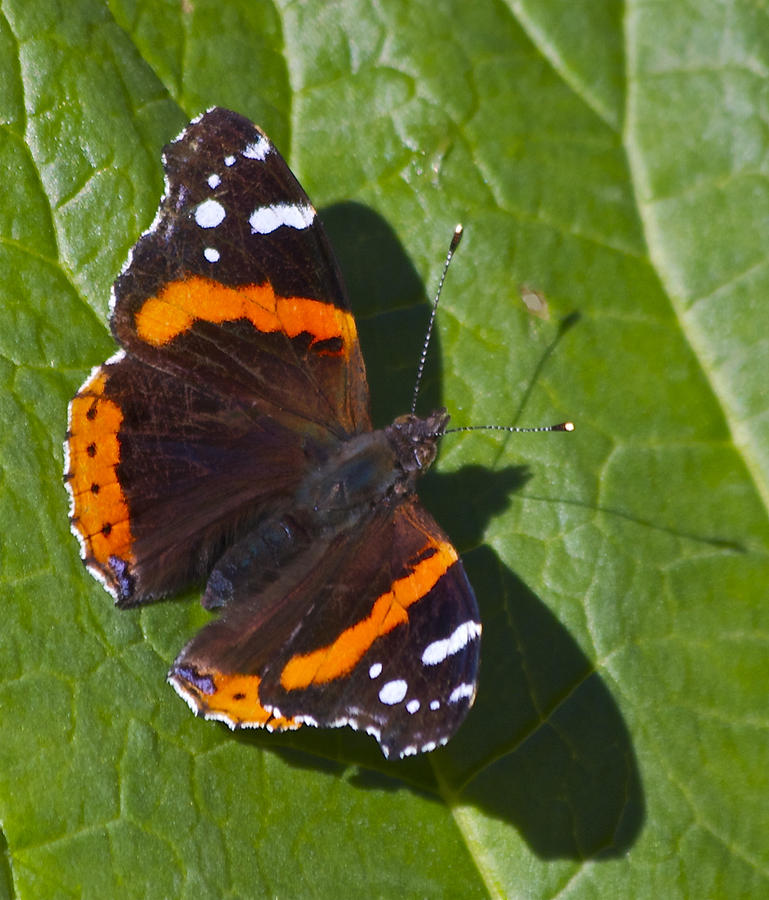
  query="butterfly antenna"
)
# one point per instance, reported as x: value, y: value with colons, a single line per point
x: 561, y: 426
x: 455, y: 239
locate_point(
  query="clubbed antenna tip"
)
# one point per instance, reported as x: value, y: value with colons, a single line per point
x: 561, y: 426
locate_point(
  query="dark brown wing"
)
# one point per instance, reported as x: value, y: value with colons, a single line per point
x: 162, y: 475
x: 235, y: 287
x: 377, y: 629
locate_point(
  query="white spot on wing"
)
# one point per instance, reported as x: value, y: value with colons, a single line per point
x: 209, y: 214
x: 393, y: 692
x: 413, y: 706
x: 229, y: 160
x: 435, y: 704
x: 212, y: 254
x: 266, y: 219
x: 438, y: 651
x: 462, y: 691
x: 214, y: 181
x: 258, y: 150
x: 375, y: 671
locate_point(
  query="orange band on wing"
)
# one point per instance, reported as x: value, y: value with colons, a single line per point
x: 234, y: 699
x: 181, y: 303
x: 388, y: 611
x: 99, y: 510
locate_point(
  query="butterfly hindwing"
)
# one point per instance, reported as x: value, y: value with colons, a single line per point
x: 154, y: 505
x: 377, y: 628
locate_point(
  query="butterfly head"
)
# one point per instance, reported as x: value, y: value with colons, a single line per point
x: 415, y: 440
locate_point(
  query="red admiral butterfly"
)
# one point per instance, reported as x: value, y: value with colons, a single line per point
x: 230, y: 439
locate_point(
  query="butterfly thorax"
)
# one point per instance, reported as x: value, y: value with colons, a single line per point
x: 368, y: 472
x: 369, y: 468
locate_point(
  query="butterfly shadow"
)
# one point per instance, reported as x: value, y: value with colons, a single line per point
x: 545, y: 748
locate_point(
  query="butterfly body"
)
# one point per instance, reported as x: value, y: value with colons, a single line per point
x: 364, y: 476
x: 230, y: 441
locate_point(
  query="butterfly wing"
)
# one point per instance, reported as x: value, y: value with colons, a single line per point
x: 236, y: 286
x: 162, y: 474
x: 241, y: 366
x: 377, y: 628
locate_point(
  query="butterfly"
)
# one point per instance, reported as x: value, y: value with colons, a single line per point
x: 230, y: 441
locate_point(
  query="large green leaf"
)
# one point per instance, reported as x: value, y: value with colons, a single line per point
x: 613, y: 158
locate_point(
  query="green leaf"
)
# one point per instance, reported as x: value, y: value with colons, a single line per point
x: 613, y: 159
